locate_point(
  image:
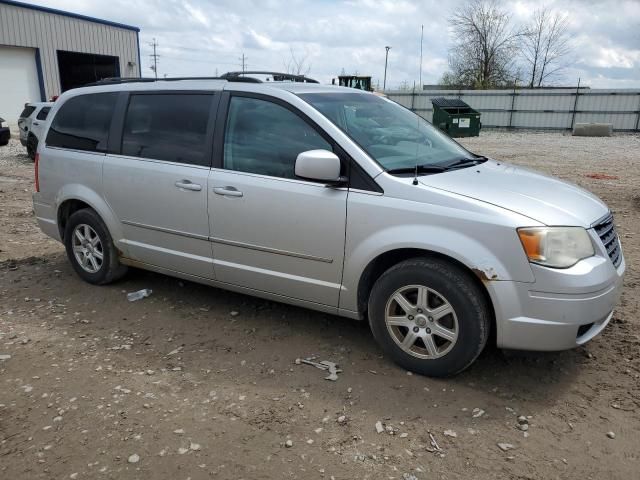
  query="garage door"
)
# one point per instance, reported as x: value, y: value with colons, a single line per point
x: 18, y: 81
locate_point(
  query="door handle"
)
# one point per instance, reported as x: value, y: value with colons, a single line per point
x: 188, y: 185
x: 36, y: 123
x: 227, y: 191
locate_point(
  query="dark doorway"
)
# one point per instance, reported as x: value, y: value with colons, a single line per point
x: 78, y: 69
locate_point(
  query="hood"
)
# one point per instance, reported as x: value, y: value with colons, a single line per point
x: 540, y: 197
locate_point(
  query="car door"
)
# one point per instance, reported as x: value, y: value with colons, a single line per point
x: 156, y: 182
x: 271, y: 231
x: 38, y: 123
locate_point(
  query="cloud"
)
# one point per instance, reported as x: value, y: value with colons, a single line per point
x: 200, y: 37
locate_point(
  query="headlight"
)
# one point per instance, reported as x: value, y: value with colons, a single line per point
x: 557, y: 247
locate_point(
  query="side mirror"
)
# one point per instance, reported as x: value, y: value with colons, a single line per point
x: 320, y: 166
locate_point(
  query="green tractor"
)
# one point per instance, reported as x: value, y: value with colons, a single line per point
x: 354, y: 81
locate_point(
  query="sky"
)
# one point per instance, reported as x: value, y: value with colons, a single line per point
x: 205, y: 37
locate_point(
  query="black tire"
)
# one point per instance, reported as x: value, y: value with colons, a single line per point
x: 455, y: 286
x: 110, y: 268
x: 32, y: 146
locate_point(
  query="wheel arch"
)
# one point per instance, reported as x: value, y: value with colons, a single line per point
x: 76, y: 197
x: 381, y: 263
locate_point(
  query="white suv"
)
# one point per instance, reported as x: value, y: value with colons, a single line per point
x: 329, y: 198
x: 31, y: 125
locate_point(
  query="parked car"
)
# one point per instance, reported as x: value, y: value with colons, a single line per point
x: 31, y: 124
x: 5, y: 133
x: 332, y: 199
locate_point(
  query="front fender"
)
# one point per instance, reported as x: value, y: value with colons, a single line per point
x: 498, y: 259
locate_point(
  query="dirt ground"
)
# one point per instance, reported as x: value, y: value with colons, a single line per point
x: 194, y: 382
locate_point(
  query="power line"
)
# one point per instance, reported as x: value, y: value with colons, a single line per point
x: 243, y: 59
x: 154, y: 56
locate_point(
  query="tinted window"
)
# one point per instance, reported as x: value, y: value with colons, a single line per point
x: 28, y: 110
x: 263, y: 137
x: 169, y: 127
x: 42, y: 114
x: 82, y: 123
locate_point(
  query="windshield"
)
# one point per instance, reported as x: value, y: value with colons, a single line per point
x: 395, y: 137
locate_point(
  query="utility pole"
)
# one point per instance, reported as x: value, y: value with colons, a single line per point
x: 386, y: 60
x: 243, y: 59
x: 154, y: 56
x: 421, y: 38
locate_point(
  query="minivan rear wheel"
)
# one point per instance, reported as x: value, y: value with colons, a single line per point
x: 429, y: 316
x: 90, y: 248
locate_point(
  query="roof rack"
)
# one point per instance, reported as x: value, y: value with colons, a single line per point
x: 277, y: 77
x: 229, y: 77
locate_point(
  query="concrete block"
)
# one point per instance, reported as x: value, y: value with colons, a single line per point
x: 593, y: 130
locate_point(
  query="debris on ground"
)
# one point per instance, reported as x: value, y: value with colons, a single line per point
x: 379, y: 427
x: 601, y: 176
x: 288, y: 444
x: 611, y: 435
x: 505, y: 446
x: 5, y: 357
x: 331, y: 367
x: 139, y: 295
x: 135, y: 458
x: 477, y: 413
x: 434, y: 444
x: 450, y: 433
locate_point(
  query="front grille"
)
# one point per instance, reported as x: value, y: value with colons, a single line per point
x: 606, y: 230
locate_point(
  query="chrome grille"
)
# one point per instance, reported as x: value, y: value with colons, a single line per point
x: 606, y: 230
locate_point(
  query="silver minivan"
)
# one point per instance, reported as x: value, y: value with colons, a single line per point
x: 329, y: 198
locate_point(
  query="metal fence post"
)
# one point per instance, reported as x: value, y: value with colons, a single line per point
x: 513, y: 103
x: 575, y: 106
x: 638, y: 116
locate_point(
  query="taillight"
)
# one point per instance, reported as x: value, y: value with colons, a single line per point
x: 36, y: 172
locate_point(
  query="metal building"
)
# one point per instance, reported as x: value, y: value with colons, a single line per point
x: 44, y: 52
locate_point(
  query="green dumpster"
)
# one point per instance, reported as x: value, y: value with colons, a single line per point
x: 455, y: 117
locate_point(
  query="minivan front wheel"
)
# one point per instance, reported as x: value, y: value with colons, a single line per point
x: 90, y: 248
x: 429, y: 316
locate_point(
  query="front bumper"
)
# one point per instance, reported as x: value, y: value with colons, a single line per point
x: 562, y: 309
x: 5, y: 135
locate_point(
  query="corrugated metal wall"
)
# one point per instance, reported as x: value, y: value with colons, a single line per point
x: 539, y: 108
x: 49, y: 32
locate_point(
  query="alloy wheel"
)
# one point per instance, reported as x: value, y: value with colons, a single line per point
x: 421, y: 321
x: 87, y: 248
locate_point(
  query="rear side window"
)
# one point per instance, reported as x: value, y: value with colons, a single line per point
x: 170, y: 127
x: 42, y: 114
x: 28, y: 110
x: 82, y: 123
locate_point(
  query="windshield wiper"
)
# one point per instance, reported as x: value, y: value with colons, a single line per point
x: 463, y: 162
x: 418, y: 168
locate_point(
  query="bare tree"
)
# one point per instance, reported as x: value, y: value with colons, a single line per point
x: 297, y: 65
x: 485, y: 46
x: 545, y: 46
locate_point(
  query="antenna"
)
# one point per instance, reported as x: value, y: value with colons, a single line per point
x: 415, y: 175
x: 421, y: 38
